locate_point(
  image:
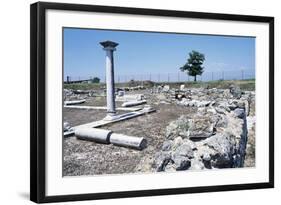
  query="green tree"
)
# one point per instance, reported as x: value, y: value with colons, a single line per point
x: 95, y: 80
x: 194, y: 63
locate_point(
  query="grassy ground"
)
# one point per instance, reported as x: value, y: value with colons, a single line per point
x: 84, y: 86
x: 243, y: 84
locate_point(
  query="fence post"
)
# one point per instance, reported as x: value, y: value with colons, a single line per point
x: 158, y: 77
x: 212, y: 76
x: 168, y: 77
x: 178, y: 77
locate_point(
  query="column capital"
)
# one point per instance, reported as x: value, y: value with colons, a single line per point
x: 109, y: 45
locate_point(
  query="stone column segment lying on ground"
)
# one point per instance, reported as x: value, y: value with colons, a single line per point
x: 107, y: 136
x: 128, y: 141
x: 93, y: 134
x: 133, y: 103
x: 74, y: 102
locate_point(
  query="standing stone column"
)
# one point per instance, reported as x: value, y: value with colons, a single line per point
x: 109, y: 47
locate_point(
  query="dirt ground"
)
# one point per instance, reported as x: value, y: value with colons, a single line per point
x: 90, y: 158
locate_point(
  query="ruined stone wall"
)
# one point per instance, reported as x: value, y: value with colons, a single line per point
x: 215, y: 137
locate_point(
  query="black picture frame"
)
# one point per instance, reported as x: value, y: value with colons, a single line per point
x: 38, y: 103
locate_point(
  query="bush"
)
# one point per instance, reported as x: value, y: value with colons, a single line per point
x: 95, y: 80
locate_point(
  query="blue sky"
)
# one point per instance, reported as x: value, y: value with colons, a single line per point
x: 146, y: 53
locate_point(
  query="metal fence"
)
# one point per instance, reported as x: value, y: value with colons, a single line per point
x: 171, y: 77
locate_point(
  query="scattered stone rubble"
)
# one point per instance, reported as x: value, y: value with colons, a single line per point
x: 74, y: 95
x: 228, y: 99
x: 139, y: 87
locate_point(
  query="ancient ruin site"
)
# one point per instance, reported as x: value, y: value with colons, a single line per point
x: 151, y: 127
x: 187, y: 129
x: 146, y: 126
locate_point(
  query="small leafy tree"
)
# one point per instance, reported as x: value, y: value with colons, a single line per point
x: 95, y: 80
x: 194, y: 63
